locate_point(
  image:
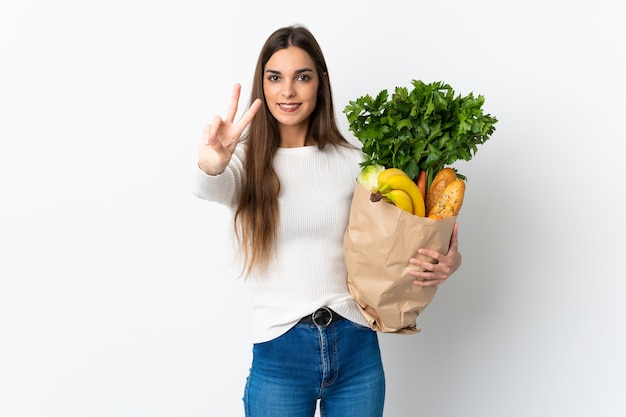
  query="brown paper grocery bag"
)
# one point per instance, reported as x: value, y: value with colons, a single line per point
x: 378, y: 243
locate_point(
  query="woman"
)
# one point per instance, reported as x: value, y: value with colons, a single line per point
x: 289, y: 181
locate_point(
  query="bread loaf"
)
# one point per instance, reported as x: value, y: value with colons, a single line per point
x: 450, y: 201
x: 444, y: 177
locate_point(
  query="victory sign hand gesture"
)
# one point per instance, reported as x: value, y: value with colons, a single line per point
x: 220, y: 138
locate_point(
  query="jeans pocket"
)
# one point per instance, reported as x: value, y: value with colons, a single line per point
x: 360, y: 326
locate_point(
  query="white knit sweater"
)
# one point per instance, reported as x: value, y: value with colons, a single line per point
x: 309, y: 271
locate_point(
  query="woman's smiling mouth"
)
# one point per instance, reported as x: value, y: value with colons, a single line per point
x: 289, y: 107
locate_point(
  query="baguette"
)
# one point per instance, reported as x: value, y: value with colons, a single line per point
x: 444, y: 177
x: 450, y: 201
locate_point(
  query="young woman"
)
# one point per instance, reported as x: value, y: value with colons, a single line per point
x: 289, y: 180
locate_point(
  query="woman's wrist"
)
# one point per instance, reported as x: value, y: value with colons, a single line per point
x: 210, y: 171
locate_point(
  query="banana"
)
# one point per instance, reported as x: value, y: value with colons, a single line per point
x: 400, y: 199
x: 406, y: 184
x: 388, y: 172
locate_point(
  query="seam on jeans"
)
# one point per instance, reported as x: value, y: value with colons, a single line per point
x: 334, y: 357
x: 322, y: 338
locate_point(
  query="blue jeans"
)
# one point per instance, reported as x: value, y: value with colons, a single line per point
x: 339, y: 364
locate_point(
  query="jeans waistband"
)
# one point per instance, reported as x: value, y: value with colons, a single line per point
x: 321, y: 317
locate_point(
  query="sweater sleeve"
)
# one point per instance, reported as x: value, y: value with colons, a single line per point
x: 225, y: 187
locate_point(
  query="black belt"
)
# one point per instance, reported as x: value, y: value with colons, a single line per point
x: 322, y: 317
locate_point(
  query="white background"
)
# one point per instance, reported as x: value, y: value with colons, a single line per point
x: 117, y: 295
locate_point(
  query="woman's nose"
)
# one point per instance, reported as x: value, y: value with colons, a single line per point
x: 288, y: 90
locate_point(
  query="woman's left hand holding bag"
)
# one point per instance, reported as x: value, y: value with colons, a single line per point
x: 441, y: 267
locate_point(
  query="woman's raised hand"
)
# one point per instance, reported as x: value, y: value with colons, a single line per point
x: 220, y: 138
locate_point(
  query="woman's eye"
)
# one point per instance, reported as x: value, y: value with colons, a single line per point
x: 304, y: 78
x: 273, y: 78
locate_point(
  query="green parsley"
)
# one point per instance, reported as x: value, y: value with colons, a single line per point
x: 427, y: 128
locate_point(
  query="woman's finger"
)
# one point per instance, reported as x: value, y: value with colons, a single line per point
x: 212, y: 137
x: 249, y: 115
x: 234, y: 103
x: 245, y: 120
x: 206, y: 133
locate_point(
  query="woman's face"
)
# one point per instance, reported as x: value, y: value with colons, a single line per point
x: 290, y: 85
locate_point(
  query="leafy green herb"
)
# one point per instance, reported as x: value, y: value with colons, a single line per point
x: 426, y: 128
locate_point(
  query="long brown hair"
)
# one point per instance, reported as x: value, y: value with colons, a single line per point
x: 257, y: 215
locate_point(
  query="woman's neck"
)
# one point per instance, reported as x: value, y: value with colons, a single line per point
x: 295, y: 137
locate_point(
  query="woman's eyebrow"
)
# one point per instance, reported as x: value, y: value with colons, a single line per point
x: 298, y: 71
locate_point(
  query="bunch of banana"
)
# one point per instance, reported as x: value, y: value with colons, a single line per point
x: 396, y: 187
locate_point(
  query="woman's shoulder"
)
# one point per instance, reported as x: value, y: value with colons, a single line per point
x: 349, y: 150
x: 343, y: 147
x: 346, y: 159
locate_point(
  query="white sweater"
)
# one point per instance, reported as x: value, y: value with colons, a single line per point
x: 309, y: 271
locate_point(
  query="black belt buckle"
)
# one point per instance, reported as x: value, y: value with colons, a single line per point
x: 322, y: 317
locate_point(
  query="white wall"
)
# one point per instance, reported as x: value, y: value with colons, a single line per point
x: 116, y: 290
